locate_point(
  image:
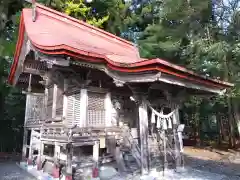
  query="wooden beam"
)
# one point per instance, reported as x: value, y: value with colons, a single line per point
x: 51, y: 60
x: 33, y: 71
x: 191, y: 85
x: 32, y: 93
x: 122, y: 78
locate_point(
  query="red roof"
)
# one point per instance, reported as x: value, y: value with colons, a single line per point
x: 57, y: 33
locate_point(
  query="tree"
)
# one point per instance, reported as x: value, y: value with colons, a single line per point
x: 206, y: 39
x: 217, y: 53
x: 109, y: 15
x: 11, y: 99
x: 176, y: 24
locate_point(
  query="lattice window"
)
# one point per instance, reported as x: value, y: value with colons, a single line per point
x: 77, y: 108
x: 39, y: 110
x: 73, y: 109
x: 96, y: 109
x: 70, y: 110
x: 35, y: 110
x: 59, y: 103
x: 49, y: 102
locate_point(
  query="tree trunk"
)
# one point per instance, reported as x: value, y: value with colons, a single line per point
x: 197, y: 128
x: 220, y: 130
x: 2, y: 101
x: 232, y: 140
x: 236, y: 115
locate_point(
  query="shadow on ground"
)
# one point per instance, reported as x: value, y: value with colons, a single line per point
x: 227, y: 166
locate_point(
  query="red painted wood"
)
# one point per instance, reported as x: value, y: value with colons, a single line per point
x: 83, y: 41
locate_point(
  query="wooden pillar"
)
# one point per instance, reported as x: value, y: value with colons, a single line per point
x: 165, y: 161
x: 54, y: 105
x: 65, y: 99
x: 96, y: 152
x: 143, y: 125
x: 83, y: 107
x: 108, y: 110
x: 25, y: 131
x: 95, y: 159
x: 40, y: 151
x: 56, y: 152
x: 68, y: 175
x: 176, y: 140
x: 30, y: 156
x: 40, y: 154
x: 56, y: 172
x: 24, y: 146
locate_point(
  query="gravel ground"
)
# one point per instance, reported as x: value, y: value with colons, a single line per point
x: 224, y: 163
x: 10, y: 171
x: 195, y: 174
x: 186, y: 174
x: 199, y: 165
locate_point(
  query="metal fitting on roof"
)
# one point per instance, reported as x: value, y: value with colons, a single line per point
x: 34, y: 11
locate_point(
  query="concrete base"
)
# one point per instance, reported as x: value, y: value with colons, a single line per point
x: 40, y: 175
x: 147, y: 177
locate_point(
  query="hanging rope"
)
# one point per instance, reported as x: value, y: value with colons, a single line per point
x: 163, y: 120
x: 161, y: 115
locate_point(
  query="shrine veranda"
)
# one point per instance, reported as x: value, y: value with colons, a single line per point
x: 90, y: 98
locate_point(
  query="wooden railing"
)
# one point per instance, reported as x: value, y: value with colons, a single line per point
x: 134, y: 147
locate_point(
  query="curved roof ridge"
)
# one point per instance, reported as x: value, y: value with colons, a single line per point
x: 91, y: 27
x: 56, y: 33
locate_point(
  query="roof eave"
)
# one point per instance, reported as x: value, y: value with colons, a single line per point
x: 156, y: 64
x: 20, y: 41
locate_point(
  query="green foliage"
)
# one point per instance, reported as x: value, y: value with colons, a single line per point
x: 108, y: 15
x: 176, y: 24
x: 11, y: 100
x: 193, y: 34
x: 111, y: 15
x: 80, y: 10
